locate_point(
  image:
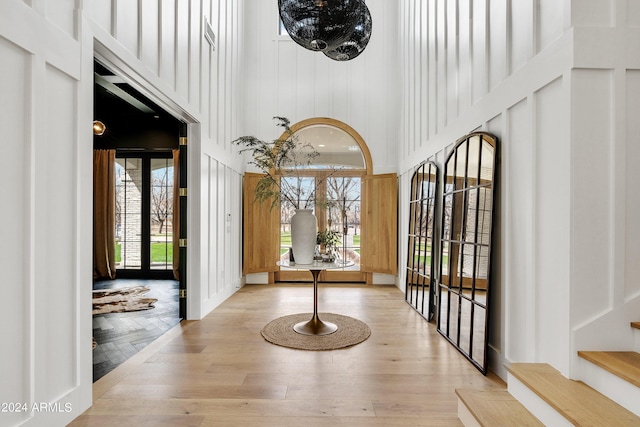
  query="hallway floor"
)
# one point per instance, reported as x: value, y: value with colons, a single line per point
x: 121, y: 335
x: 220, y: 371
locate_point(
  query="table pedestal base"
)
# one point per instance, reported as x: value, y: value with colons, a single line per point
x: 315, y: 326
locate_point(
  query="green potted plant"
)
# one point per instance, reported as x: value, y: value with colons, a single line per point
x: 328, y: 241
x: 283, y: 162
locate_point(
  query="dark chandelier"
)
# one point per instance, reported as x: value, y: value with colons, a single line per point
x: 339, y: 28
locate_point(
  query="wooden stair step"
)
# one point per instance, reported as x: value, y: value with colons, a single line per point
x: 574, y: 400
x: 624, y: 364
x: 635, y: 325
x: 497, y: 408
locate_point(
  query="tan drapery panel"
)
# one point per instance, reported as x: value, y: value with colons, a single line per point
x: 104, y: 213
x: 176, y: 214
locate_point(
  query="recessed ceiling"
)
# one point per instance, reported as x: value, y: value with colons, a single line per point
x: 132, y: 120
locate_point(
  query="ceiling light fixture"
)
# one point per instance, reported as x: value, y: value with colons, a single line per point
x: 357, y: 41
x: 341, y: 27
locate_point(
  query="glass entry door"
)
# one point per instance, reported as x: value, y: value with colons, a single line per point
x: 342, y: 192
x: 144, y: 215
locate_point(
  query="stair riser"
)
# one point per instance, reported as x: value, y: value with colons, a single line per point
x: 466, y: 418
x: 538, y: 407
x: 612, y: 386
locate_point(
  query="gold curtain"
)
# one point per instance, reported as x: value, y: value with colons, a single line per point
x: 176, y: 214
x: 104, y: 213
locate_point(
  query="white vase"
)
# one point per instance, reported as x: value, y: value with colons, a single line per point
x: 304, y: 229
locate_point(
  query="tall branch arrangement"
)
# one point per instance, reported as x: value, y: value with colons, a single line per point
x: 283, y: 161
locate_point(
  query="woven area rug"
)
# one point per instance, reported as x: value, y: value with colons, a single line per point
x: 350, y: 332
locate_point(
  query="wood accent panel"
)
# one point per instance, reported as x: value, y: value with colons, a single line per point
x: 574, y: 400
x: 261, y: 228
x: 496, y: 408
x: 379, y: 245
x: 224, y: 373
x: 624, y: 364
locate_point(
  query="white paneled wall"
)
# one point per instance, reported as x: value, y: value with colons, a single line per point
x: 221, y: 206
x: 162, y: 42
x: 552, y: 79
x: 46, y: 108
x: 45, y: 222
x: 283, y: 79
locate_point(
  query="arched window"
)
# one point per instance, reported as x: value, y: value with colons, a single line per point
x: 363, y: 212
x: 338, y: 169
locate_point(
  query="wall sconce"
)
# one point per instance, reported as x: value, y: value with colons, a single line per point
x: 98, y: 127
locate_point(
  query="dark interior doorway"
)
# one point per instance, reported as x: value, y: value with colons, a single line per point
x: 150, y: 173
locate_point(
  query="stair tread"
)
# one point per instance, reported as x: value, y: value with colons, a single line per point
x: 624, y: 364
x: 497, y: 408
x: 635, y: 325
x: 574, y: 400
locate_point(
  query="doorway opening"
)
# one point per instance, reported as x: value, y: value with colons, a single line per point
x: 140, y: 293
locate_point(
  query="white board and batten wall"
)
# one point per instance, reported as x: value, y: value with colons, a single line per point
x: 282, y: 78
x: 557, y: 82
x: 552, y: 79
x: 46, y: 82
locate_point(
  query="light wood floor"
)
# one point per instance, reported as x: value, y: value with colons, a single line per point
x: 220, y: 371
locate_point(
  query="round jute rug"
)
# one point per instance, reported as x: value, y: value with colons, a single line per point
x: 350, y: 332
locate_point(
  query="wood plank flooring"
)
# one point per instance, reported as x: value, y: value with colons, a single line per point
x: 220, y: 371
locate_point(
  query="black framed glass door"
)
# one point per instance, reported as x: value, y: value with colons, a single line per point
x: 144, y: 190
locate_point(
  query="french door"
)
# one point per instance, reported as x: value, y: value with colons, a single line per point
x: 144, y: 215
x: 342, y: 191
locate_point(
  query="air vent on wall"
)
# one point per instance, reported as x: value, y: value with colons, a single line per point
x: 209, y: 34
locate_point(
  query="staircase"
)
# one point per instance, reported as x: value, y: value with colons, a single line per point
x: 607, y: 395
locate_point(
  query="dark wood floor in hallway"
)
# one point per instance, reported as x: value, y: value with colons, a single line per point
x: 220, y: 371
x: 121, y: 335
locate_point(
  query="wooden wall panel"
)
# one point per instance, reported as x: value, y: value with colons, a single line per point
x: 379, y: 245
x: 261, y: 231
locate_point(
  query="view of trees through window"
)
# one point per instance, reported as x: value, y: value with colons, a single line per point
x: 144, y: 212
x: 342, y: 214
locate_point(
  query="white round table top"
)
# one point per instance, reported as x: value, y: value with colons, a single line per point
x: 316, y: 265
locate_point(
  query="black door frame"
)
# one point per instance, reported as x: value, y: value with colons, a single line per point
x: 145, y: 271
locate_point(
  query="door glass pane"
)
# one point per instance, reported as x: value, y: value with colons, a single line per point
x: 161, y: 212
x: 302, y: 186
x: 128, y: 233
x: 343, y: 215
